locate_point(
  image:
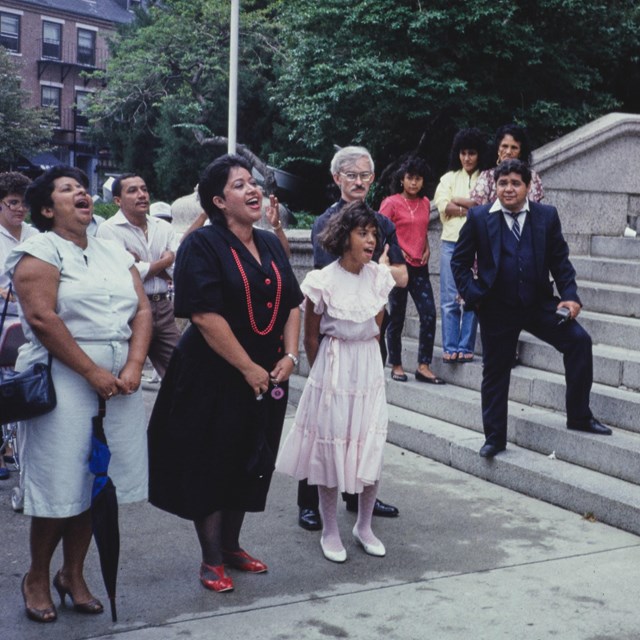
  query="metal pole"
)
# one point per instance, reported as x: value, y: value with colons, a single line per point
x: 233, y: 76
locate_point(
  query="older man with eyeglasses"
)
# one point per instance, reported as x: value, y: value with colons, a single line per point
x: 353, y: 171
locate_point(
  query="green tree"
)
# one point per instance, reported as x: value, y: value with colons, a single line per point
x: 23, y: 130
x: 400, y: 76
x: 168, y: 83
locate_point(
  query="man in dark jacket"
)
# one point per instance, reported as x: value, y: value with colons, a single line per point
x: 520, y: 248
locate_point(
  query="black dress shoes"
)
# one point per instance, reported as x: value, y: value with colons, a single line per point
x: 590, y: 426
x: 380, y: 509
x: 490, y: 450
x: 309, y: 519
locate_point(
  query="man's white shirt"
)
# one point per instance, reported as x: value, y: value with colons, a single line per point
x: 161, y: 237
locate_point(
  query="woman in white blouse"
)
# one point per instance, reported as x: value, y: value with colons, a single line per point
x: 83, y: 303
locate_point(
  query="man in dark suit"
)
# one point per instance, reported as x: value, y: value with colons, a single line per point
x: 520, y: 248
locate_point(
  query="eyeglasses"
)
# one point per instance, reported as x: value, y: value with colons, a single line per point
x: 365, y: 176
x: 14, y: 205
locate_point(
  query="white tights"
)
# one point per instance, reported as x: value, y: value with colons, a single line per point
x: 328, y: 502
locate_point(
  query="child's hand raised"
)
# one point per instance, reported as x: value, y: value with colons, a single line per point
x: 384, y: 258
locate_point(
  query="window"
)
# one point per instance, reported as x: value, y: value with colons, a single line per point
x: 50, y: 97
x: 52, y: 40
x: 10, y: 32
x: 86, y: 47
x: 81, y: 105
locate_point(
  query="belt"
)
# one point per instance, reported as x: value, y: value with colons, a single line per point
x: 156, y: 297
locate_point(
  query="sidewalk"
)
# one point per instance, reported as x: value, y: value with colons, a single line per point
x: 466, y: 559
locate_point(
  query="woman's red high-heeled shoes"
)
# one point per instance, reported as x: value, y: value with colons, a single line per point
x: 221, y: 583
x: 242, y: 561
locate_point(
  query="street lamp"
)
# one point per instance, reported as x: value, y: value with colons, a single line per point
x: 233, y: 77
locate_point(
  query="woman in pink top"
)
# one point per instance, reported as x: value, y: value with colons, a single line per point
x: 409, y: 210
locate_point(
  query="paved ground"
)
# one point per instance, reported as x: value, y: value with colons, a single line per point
x: 466, y: 559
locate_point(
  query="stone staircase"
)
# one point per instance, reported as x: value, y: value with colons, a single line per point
x: 595, y: 476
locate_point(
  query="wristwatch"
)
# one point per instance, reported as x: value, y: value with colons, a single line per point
x: 294, y: 358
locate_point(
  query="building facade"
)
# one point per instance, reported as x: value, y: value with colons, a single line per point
x: 55, y: 43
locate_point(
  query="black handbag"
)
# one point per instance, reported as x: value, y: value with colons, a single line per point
x: 27, y: 394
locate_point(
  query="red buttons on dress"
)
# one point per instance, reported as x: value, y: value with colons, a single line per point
x: 267, y: 280
x: 279, y: 349
x: 269, y: 305
x: 281, y: 338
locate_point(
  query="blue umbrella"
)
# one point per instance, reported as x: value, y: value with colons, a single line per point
x: 104, y: 507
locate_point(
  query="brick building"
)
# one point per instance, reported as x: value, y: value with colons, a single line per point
x: 54, y: 42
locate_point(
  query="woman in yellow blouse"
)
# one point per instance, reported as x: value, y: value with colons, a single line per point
x: 452, y: 200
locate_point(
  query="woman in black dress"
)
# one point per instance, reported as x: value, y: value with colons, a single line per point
x: 224, y: 395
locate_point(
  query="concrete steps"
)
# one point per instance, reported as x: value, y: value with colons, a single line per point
x: 597, y: 475
x: 588, y: 492
x: 587, y: 474
x: 614, y: 248
x: 614, y: 299
x: 539, y: 380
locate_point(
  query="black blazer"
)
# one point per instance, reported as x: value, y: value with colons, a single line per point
x: 480, y: 236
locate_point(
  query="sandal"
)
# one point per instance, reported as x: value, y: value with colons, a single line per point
x: 465, y: 357
x: 449, y: 358
x: 399, y: 377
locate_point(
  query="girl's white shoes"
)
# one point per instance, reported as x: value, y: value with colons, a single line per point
x: 377, y: 549
x: 334, y: 556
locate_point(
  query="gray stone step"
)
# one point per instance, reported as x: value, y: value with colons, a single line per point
x: 614, y: 247
x: 584, y: 491
x: 613, y: 299
x: 612, y: 366
x: 614, y: 331
x: 534, y: 428
x: 609, y: 270
x: 588, y: 474
x: 530, y: 386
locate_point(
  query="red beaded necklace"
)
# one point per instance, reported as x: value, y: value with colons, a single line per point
x: 247, y: 292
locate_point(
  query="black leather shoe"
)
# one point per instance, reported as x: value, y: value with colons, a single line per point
x: 490, y: 450
x: 380, y: 509
x: 310, y: 519
x: 422, y: 378
x: 590, y: 426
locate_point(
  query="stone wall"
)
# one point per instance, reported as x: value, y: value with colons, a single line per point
x: 592, y: 176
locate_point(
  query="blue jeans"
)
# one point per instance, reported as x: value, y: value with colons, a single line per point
x: 420, y: 289
x: 458, y: 327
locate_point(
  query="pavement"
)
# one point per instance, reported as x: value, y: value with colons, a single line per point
x: 465, y: 559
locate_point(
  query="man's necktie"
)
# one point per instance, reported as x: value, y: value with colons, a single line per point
x: 516, y: 225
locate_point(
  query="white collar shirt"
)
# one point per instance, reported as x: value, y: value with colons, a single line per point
x: 509, y: 219
x: 160, y: 238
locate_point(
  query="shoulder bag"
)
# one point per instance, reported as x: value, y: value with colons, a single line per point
x: 27, y: 394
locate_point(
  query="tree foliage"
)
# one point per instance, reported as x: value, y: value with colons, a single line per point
x: 23, y: 130
x: 403, y: 75
x: 168, y: 78
x: 395, y: 75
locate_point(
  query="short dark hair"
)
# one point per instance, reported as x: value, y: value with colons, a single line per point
x: 414, y: 166
x: 116, y: 187
x: 467, y: 139
x: 513, y: 166
x: 213, y: 180
x: 519, y: 134
x: 334, y: 238
x: 13, y: 182
x: 38, y: 193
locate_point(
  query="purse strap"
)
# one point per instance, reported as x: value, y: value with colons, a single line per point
x: 6, y: 305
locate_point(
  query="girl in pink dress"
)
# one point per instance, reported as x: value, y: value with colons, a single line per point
x: 340, y: 427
